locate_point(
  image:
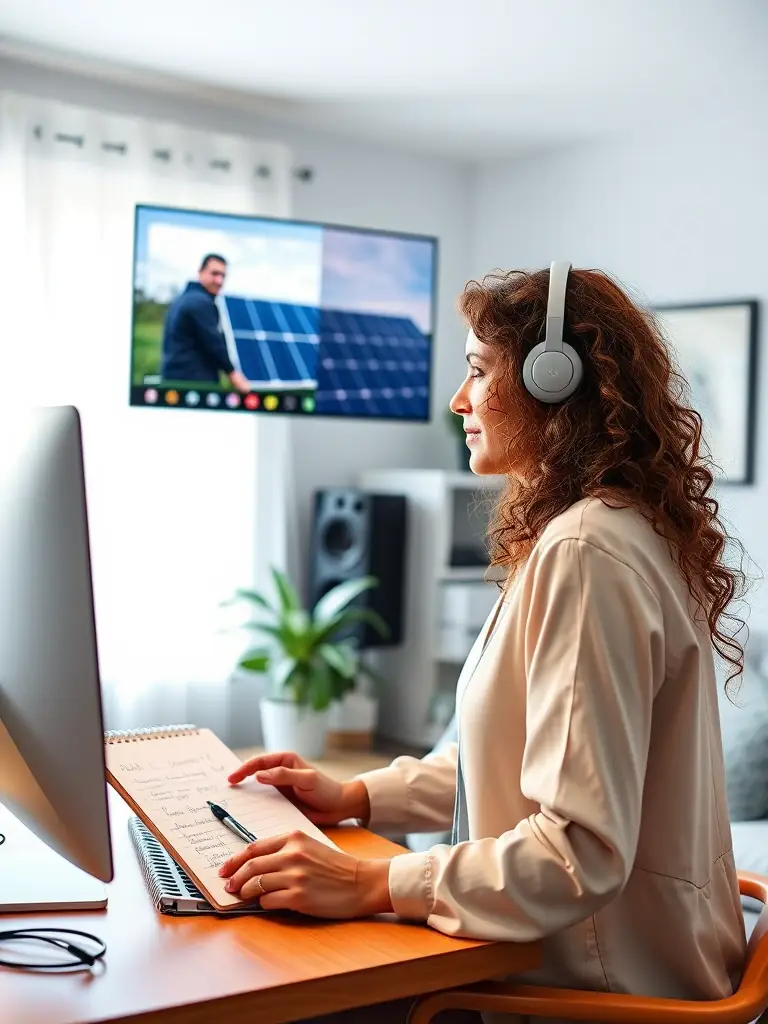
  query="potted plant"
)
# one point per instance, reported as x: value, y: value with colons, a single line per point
x: 456, y: 426
x: 310, y: 663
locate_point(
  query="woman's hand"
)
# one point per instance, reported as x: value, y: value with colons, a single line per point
x: 296, y: 872
x: 323, y: 800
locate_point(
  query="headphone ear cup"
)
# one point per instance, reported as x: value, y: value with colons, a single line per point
x: 552, y: 376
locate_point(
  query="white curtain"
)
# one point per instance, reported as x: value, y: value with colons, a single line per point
x: 175, y: 501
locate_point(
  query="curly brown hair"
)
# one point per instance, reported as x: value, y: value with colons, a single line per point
x: 627, y: 436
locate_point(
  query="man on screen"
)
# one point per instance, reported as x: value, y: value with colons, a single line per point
x: 194, y: 348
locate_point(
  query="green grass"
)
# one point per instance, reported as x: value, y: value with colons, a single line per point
x: 147, y: 348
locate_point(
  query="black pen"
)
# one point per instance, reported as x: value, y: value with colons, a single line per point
x: 234, y: 826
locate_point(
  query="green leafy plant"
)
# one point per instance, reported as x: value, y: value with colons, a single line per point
x: 307, y: 664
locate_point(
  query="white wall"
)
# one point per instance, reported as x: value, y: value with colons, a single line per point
x: 682, y: 217
x: 354, y: 184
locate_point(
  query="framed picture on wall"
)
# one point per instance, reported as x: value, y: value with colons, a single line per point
x: 715, y: 346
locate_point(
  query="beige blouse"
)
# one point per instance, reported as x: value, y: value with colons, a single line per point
x: 592, y: 763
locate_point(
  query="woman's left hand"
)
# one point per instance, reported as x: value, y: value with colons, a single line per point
x: 296, y: 872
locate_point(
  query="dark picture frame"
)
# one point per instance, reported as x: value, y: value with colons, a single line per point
x: 715, y: 346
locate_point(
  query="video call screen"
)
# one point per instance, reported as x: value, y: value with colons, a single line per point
x: 249, y: 314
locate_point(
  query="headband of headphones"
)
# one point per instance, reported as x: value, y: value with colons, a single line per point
x: 552, y: 370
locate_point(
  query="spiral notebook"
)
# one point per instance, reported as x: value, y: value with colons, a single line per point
x: 167, y: 774
x: 170, y: 888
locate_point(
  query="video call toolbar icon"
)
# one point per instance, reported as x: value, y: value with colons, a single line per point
x: 212, y: 399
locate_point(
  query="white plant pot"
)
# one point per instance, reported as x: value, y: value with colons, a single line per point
x: 352, y: 721
x: 286, y: 726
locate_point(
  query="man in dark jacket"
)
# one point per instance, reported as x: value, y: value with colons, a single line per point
x: 194, y: 348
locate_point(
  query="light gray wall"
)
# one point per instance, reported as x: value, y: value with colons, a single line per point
x: 681, y: 217
x: 354, y: 184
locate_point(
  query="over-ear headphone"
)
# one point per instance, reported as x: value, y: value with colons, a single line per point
x: 552, y: 370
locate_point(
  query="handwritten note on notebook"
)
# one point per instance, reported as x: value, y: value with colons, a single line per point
x: 167, y: 777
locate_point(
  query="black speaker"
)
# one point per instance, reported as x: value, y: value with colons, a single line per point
x: 356, y: 534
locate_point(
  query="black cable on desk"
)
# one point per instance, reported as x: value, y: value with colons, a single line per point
x: 79, y: 958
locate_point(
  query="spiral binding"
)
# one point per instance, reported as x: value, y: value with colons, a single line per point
x: 164, y: 878
x: 154, y: 733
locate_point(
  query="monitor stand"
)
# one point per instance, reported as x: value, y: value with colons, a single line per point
x: 35, y: 879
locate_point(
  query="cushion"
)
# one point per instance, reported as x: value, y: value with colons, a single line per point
x: 744, y: 728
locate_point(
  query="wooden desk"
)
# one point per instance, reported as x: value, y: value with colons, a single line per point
x: 202, y: 970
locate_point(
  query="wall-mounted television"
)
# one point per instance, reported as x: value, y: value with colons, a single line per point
x: 255, y: 314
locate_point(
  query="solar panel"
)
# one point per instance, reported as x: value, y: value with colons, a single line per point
x: 360, y: 363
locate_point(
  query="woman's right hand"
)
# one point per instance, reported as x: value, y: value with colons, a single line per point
x: 322, y: 799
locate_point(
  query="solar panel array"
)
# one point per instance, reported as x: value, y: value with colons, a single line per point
x: 276, y: 342
x: 361, y: 364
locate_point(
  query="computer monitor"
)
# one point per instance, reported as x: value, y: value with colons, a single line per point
x: 52, y: 772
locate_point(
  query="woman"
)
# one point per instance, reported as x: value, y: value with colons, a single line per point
x: 591, y: 810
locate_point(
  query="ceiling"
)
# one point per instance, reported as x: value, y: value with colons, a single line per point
x: 466, y: 80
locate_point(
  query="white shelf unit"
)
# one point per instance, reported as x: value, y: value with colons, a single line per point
x: 447, y: 514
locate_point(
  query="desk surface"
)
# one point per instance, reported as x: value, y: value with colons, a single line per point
x: 165, y: 970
